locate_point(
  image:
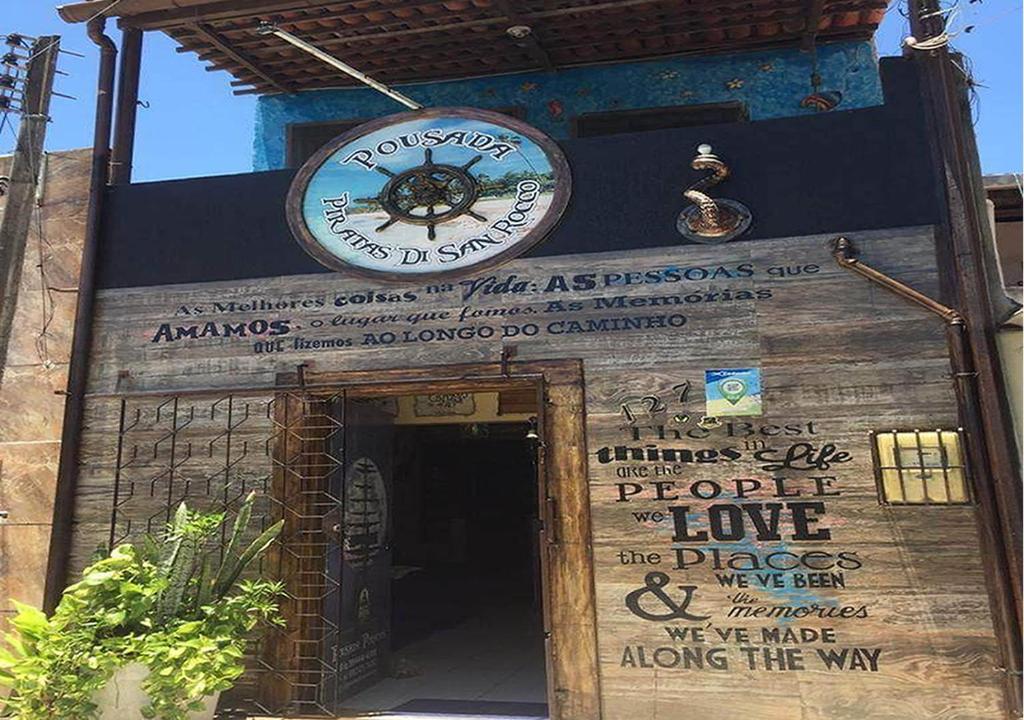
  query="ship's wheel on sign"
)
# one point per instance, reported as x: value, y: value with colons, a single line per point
x: 429, y: 194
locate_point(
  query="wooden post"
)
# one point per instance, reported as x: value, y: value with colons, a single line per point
x: 21, y: 191
x: 963, y: 244
x: 122, y: 154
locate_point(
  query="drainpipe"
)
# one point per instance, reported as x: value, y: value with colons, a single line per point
x: 1002, y: 591
x: 67, y: 474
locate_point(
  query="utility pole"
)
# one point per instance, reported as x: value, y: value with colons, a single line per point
x: 24, y: 178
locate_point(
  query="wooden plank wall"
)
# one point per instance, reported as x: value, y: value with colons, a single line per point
x: 902, y: 627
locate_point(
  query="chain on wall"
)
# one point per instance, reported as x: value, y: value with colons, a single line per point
x: 211, y: 452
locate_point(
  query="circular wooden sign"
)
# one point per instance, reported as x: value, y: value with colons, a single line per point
x: 429, y: 194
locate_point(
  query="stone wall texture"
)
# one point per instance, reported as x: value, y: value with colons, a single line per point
x: 35, y: 375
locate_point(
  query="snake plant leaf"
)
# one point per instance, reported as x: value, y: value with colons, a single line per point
x: 237, y: 532
x: 233, y: 567
x: 174, y: 540
x: 188, y: 533
x: 178, y: 577
x: 204, y: 585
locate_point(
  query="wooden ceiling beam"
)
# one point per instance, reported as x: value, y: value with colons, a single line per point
x: 780, y: 40
x: 343, y: 23
x: 293, y: 24
x: 401, y: 74
x: 330, y: 38
x: 166, y: 14
x: 284, y: 57
x: 367, y: 57
x: 815, y: 10
x: 271, y: 56
x: 529, y: 42
x: 469, y: 55
x: 263, y: 49
x: 221, y: 44
x: 247, y: 10
x: 467, y: 58
x: 182, y: 11
x: 419, y: 40
x: 720, y: 8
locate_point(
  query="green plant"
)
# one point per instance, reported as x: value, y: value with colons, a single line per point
x: 163, y: 604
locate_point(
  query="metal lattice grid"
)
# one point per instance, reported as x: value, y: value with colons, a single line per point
x: 211, y: 452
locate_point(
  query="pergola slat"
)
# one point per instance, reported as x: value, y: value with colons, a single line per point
x: 422, y: 40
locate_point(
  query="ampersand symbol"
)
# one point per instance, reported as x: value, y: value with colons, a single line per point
x: 654, y: 584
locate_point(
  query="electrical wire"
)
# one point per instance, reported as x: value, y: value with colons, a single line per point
x: 946, y: 36
x: 991, y: 19
x: 943, y: 38
x: 49, y: 308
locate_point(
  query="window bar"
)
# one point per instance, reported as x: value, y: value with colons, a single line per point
x: 227, y: 465
x: 964, y: 466
x: 879, y: 467
x: 170, y: 463
x: 898, y: 457
x: 924, y: 473
x: 117, y: 474
x: 944, y: 454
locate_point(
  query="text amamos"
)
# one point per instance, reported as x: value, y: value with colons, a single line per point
x: 169, y: 333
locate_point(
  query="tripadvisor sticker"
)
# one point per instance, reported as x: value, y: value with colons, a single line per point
x: 734, y: 391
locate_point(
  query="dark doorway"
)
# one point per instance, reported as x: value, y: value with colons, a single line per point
x: 466, y: 621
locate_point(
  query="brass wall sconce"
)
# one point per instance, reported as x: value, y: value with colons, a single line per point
x: 711, y: 220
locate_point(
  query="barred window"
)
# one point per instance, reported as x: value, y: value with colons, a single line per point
x: 920, y: 467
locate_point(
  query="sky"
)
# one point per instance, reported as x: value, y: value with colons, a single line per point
x: 192, y: 125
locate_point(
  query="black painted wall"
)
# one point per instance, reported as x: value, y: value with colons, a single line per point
x: 832, y: 172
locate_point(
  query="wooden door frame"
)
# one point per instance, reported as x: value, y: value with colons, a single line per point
x: 567, y: 556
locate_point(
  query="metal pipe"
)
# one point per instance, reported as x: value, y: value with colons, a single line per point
x: 965, y: 387
x: 270, y: 29
x: 844, y: 255
x: 127, y: 107
x: 67, y: 473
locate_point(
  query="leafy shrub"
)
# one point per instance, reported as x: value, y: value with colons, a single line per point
x: 164, y: 605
